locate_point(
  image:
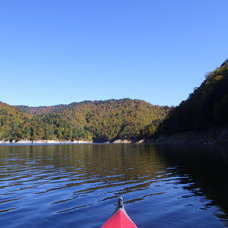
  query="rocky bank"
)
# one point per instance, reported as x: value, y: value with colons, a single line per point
x: 212, y: 136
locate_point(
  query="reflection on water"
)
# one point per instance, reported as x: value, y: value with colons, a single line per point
x: 77, y: 185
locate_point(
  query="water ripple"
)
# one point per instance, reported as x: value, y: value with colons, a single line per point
x: 64, y: 186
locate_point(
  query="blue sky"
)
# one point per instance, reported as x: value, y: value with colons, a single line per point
x: 61, y: 51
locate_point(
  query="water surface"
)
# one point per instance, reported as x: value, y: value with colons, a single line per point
x: 77, y: 185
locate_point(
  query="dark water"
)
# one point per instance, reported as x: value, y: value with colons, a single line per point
x: 77, y: 185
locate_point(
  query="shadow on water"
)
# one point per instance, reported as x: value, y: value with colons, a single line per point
x: 61, y: 185
x: 206, y: 167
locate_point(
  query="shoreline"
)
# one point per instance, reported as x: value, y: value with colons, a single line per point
x: 37, y: 142
x: 213, y: 136
x: 2, y: 142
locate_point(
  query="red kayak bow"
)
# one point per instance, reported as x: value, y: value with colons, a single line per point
x: 120, y: 219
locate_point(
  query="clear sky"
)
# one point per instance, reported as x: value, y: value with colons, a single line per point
x: 61, y: 51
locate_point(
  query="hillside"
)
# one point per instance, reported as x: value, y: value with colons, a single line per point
x: 206, y: 107
x: 11, y: 120
x: 89, y: 120
x: 113, y: 119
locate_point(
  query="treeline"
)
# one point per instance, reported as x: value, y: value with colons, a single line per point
x: 206, y: 107
x: 99, y: 121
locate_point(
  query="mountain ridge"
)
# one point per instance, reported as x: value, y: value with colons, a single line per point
x: 46, y: 109
x: 106, y: 120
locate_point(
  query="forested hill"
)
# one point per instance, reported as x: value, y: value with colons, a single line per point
x: 88, y: 120
x: 206, y: 107
x: 10, y: 120
x: 114, y: 119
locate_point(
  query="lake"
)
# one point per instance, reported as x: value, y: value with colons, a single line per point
x: 78, y: 185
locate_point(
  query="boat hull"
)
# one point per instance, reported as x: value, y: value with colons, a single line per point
x: 120, y: 219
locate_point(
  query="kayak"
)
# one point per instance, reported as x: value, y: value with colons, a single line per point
x: 120, y: 218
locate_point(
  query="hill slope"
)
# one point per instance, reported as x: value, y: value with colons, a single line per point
x: 206, y: 107
x: 112, y: 119
x: 11, y: 120
x: 97, y: 120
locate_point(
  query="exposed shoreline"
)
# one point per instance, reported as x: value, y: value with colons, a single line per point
x: 118, y: 141
x: 213, y: 136
x: 45, y: 142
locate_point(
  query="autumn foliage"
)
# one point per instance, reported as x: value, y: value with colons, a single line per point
x: 90, y: 120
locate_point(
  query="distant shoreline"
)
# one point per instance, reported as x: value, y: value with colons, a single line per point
x: 45, y: 142
x: 118, y: 141
x: 214, y: 136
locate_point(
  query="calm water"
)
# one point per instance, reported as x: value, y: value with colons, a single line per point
x: 77, y: 185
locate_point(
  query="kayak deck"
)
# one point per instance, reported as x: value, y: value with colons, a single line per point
x: 120, y: 218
